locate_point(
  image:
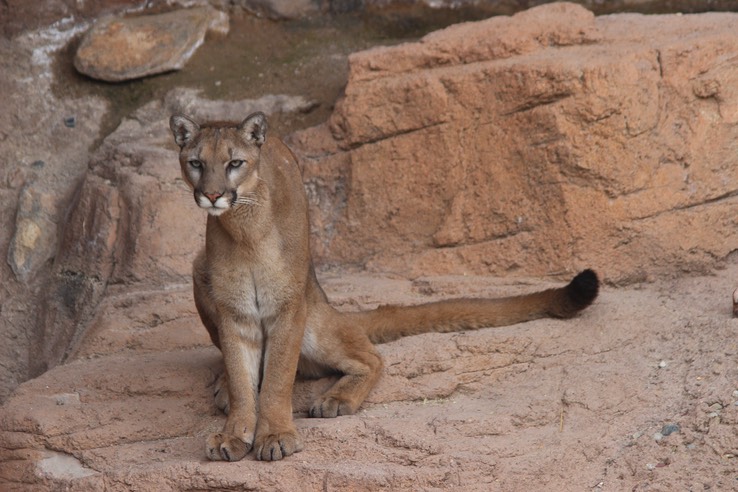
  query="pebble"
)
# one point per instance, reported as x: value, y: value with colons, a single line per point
x: 658, y: 436
x: 669, y: 429
x: 70, y: 121
x: 735, y: 394
x: 662, y: 364
x: 67, y: 399
x: 38, y: 164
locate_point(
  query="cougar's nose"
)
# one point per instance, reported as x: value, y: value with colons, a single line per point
x: 213, y: 196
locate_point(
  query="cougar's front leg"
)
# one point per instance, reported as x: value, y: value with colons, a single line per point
x: 204, y: 298
x: 276, y: 436
x: 242, y: 345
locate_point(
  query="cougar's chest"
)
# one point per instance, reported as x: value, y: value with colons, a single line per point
x: 251, y: 282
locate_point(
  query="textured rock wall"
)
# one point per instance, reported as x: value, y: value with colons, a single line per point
x: 44, y: 151
x: 535, y: 145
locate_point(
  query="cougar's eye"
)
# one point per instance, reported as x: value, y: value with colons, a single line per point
x: 195, y: 164
x: 235, y: 164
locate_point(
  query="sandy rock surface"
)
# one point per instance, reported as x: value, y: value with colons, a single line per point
x: 564, y: 405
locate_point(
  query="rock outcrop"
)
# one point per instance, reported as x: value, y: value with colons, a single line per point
x: 535, y: 145
x: 556, y: 404
x: 44, y: 150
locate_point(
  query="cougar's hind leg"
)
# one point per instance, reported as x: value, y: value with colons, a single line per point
x: 360, y: 365
x: 208, y: 315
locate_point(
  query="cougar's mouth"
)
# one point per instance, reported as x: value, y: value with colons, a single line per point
x: 215, y: 205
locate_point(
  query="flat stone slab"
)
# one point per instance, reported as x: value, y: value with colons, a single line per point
x: 568, y: 404
x: 118, y: 49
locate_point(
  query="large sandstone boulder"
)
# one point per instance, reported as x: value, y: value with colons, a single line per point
x: 535, y: 145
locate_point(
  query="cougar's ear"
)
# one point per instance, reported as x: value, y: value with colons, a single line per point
x: 183, y: 128
x: 254, y: 128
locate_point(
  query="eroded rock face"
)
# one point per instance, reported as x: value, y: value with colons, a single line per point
x: 124, y: 48
x: 535, y: 144
x: 43, y: 160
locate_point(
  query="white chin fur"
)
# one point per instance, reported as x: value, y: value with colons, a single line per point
x: 221, y: 205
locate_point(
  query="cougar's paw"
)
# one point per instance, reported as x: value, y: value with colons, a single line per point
x: 226, y: 447
x: 220, y: 393
x: 329, y: 407
x: 273, y: 447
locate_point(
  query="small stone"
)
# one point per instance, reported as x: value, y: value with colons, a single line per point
x: 70, y: 121
x: 658, y: 436
x: 662, y: 364
x: 282, y: 9
x: 713, y: 415
x: 67, y: 399
x: 38, y: 164
x: 669, y: 429
x: 735, y: 394
x: 220, y: 24
x: 34, y: 239
x: 650, y: 466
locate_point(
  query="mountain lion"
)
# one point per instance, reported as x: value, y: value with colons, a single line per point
x: 257, y: 294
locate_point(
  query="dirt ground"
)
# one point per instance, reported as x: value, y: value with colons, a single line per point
x: 640, y: 392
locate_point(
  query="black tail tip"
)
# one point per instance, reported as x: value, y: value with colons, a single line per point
x: 583, y: 289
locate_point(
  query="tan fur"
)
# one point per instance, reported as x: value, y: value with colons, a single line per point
x: 257, y: 294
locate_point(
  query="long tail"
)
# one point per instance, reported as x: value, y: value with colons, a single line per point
x: 388, y: 323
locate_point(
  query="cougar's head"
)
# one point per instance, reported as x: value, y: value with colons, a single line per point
x: 219, y: 161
